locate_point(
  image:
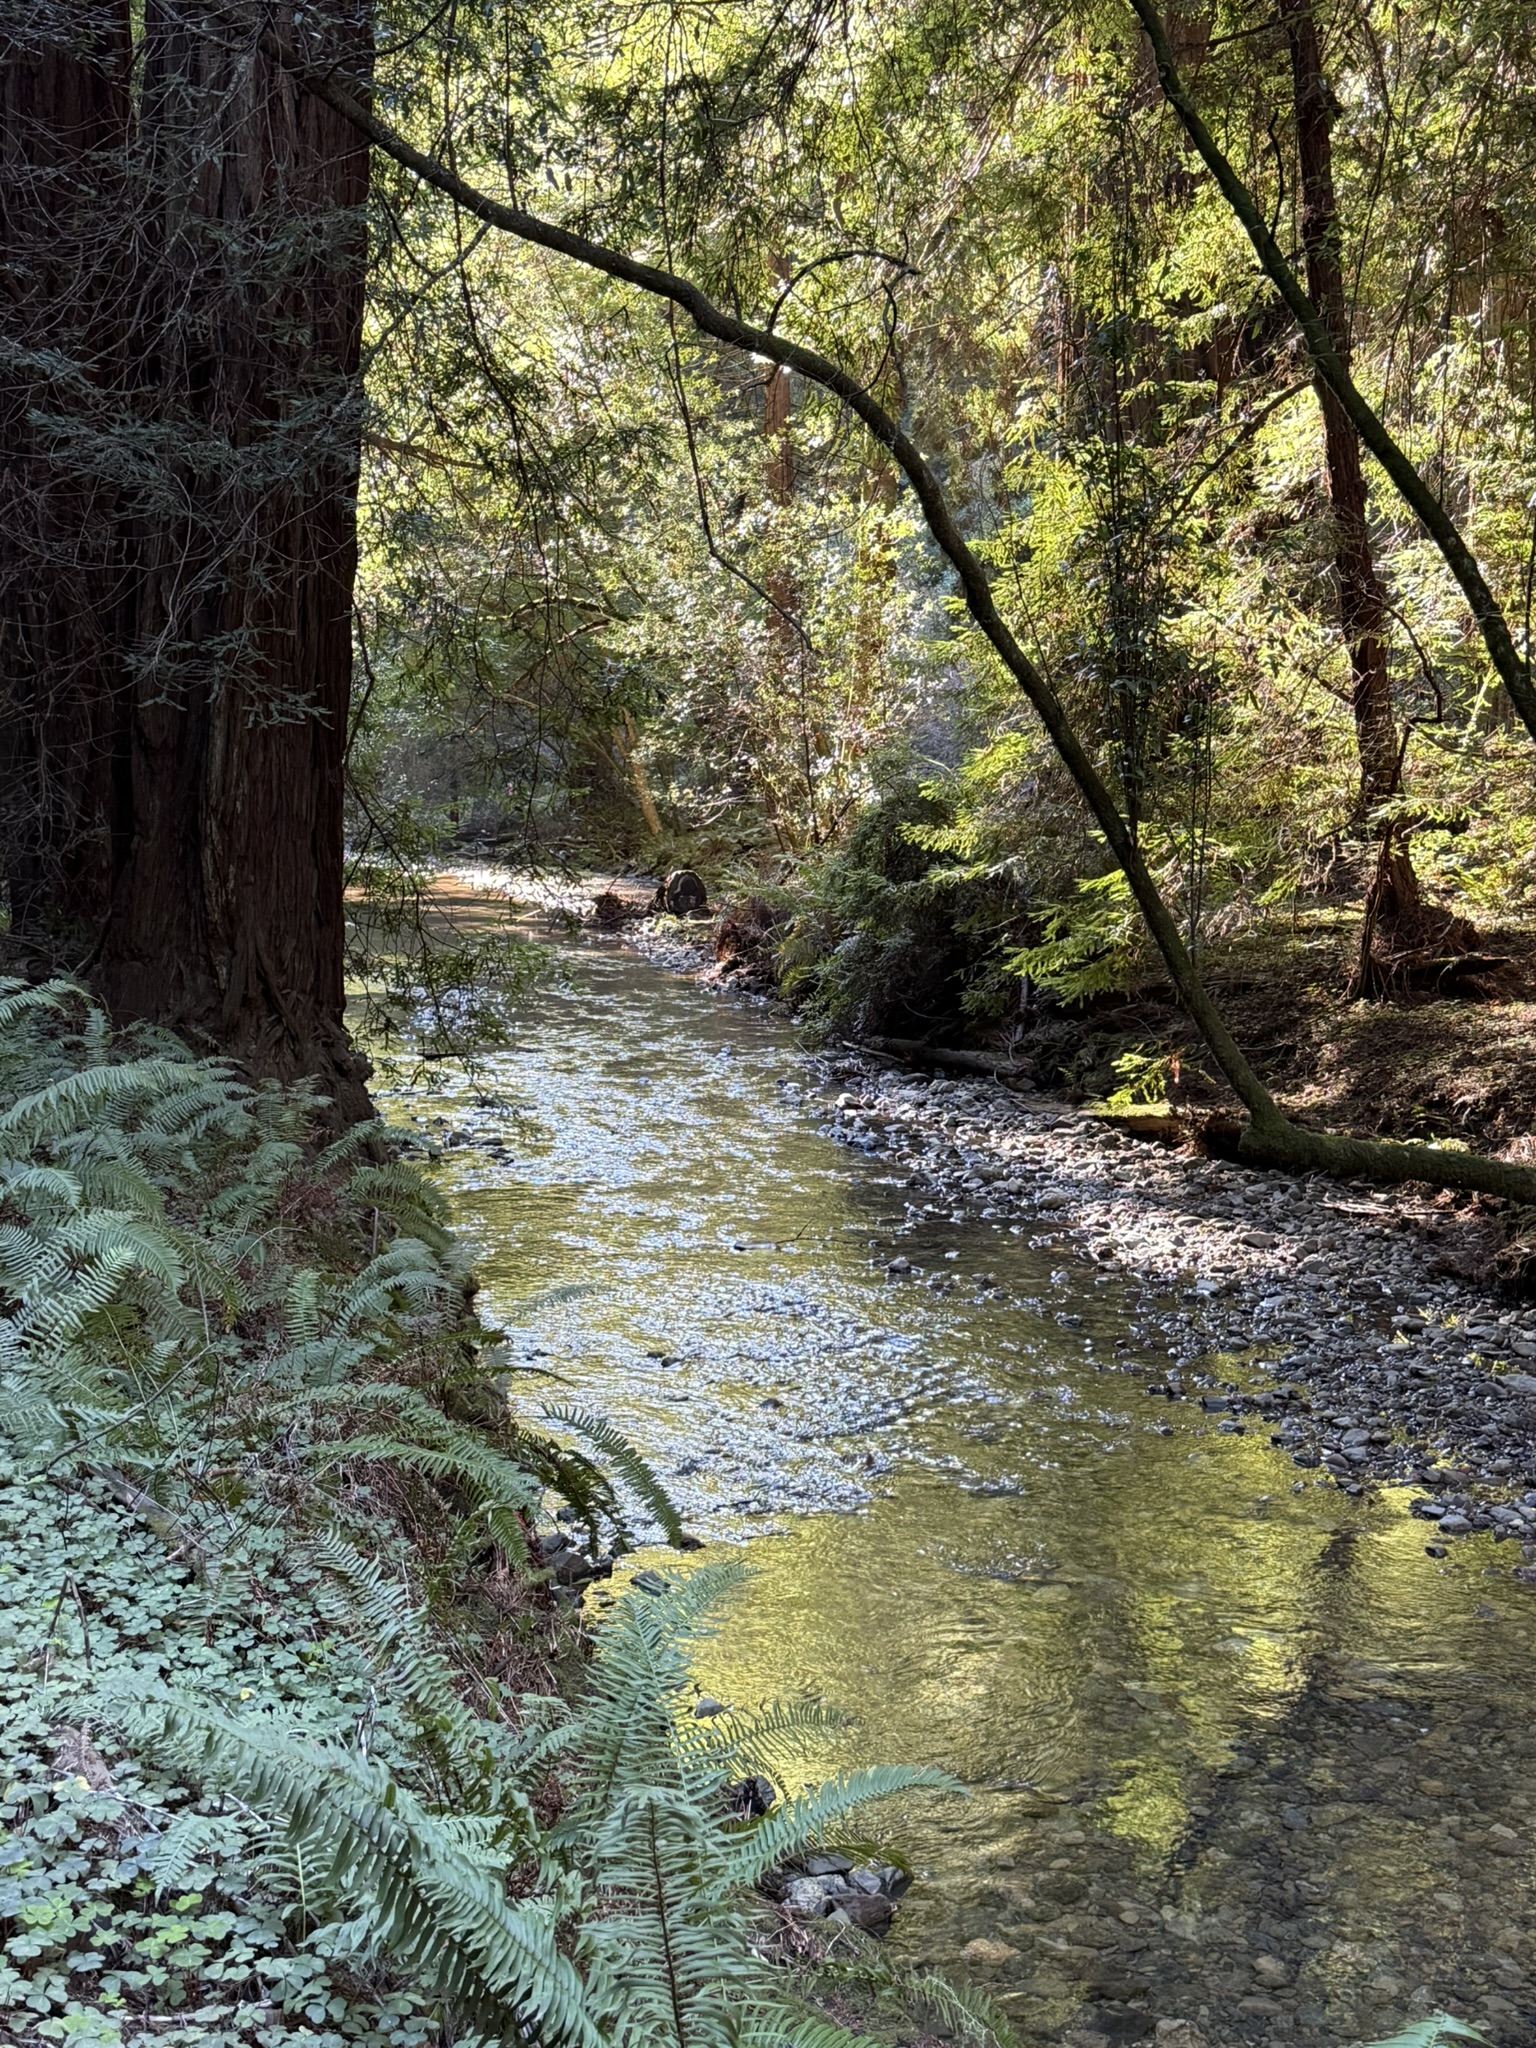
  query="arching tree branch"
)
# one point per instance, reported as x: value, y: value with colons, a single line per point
x: 1269, y: 1136
x: 1513, y: 671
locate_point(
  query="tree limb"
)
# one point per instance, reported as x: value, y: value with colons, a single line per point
x: 1513, y: 671
x: 1269, y: 1136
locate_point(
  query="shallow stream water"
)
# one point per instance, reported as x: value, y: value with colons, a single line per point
x: 1237, y: 1750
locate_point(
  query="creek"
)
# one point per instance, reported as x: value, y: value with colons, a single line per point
x: 1236, y: 1751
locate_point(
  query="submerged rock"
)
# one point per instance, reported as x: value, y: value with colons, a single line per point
x: 987, y: 1955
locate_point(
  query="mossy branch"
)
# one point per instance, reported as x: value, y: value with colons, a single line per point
x: 1513, y: 672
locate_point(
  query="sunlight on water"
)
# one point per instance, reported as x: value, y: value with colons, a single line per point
x: 1205, y: 1710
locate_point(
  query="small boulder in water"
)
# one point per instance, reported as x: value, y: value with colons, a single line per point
x: 610, y: 911
x: 682, y: 894
x: 870, y: 1914
x: 988, y: 1955
x: 749, y: 1798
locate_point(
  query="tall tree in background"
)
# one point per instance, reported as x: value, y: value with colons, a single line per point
x: 178, y: 696
x: 1362, y: 596
x: 65, y: 118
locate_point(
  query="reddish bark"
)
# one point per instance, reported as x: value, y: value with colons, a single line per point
x: 1362, y: 597
x: 65, y: 600
x: 225, y: 919
x: 209, y: 834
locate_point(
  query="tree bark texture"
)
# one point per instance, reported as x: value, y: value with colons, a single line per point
x: 66, y: 595
x: 1362, y: 597
x: 216, y: 727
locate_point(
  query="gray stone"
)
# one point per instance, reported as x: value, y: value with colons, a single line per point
x: 1114, y: 1982
x: 805, y: 1897
x: 870, y: 1915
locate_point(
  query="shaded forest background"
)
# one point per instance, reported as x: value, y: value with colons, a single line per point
x: 320, y: 492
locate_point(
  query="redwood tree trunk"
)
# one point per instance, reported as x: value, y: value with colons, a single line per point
x: 214, y: 844
x: 66, y: 595
x: 1362, y: 597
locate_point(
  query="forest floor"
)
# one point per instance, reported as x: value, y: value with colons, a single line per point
x: 1425, y: 1066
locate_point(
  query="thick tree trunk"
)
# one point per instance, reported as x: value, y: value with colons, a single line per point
x: 225, y: 920
x: 215, y: 716
x: 65, y: 595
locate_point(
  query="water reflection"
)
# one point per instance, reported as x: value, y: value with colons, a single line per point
x: 1236, y: 1747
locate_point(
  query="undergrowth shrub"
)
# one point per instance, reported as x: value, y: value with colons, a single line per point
x: 889, y: 941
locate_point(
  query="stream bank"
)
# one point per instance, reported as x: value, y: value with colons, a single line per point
x: 1376, y: 1313
x: 1359, y: 1350
x: 1240, y: 1755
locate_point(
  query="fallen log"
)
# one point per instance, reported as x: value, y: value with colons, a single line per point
x: 917, y: 1052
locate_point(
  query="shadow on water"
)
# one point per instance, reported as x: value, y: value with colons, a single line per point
x: 1236, y: 1748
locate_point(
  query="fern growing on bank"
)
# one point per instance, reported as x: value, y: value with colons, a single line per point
x: 270, y: 1773
x: 627, y: 1926
x: 184, y: 1275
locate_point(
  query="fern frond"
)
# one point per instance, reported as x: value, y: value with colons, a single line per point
x: 39, y: 1191
x: 20, y: 998
x: 111, y: 1233
x: 794, y: 1824
x: 407, y: 1269
x: 770, y: 2026
x: 623, y: 1459
x: 64, y: 1103
x: 301, y: 1308
x: 29, y: 1421
x: 397, y: 1645
x: 422, y: 1438
x: 423, y: 1897
x: 410, y: 1201
x: 109, y: 1183
x: 1440, y: 2026
x: 762, y: 1741
x: 26, y: 1256
x: 638, y: 1679
x: 323, y: 1365
x: 191, y: 1839
x: 676, y: 1960
x: 59, y: 1311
